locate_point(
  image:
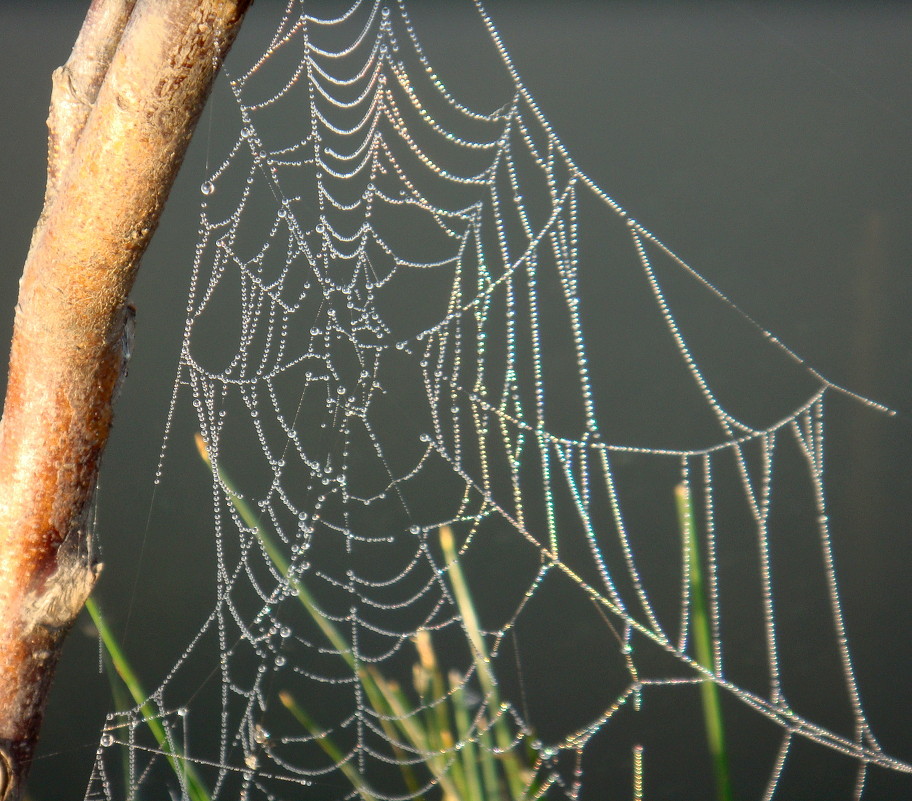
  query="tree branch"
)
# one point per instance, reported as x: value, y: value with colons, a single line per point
x: 123, y: 110
x: 76, y: 83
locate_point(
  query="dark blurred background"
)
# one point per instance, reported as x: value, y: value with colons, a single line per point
x: 765, y: 143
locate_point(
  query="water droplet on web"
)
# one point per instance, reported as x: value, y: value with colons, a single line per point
x: 207, y: 188
x: 107, y: 740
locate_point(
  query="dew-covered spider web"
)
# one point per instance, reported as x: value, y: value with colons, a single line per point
x: 412, y: 313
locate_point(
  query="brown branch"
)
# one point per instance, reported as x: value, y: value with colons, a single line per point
x: 76, y: 83
x: 123, y: 110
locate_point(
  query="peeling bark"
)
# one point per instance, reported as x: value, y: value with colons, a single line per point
x: 123, y: 110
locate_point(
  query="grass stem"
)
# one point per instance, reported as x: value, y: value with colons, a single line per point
x: 702, y: 639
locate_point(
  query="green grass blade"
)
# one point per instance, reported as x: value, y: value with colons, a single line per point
x: 506, y: 747
x: 328, y: 746
x: 382, y: 695
x: 122, y: 703
x: 464, y: 733
x: 709, y: 691
x: 182, y: 768
x: 428, y: 735
x: 434, y: 721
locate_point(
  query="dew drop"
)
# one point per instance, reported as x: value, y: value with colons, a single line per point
x: 207, y: 188
x: 107, y: 740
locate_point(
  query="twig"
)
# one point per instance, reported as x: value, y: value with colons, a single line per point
x: 124, y: 108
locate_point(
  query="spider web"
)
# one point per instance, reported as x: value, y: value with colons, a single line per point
x: 406, y: 313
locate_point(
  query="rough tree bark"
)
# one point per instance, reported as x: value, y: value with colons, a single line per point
x: 123, y: 109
